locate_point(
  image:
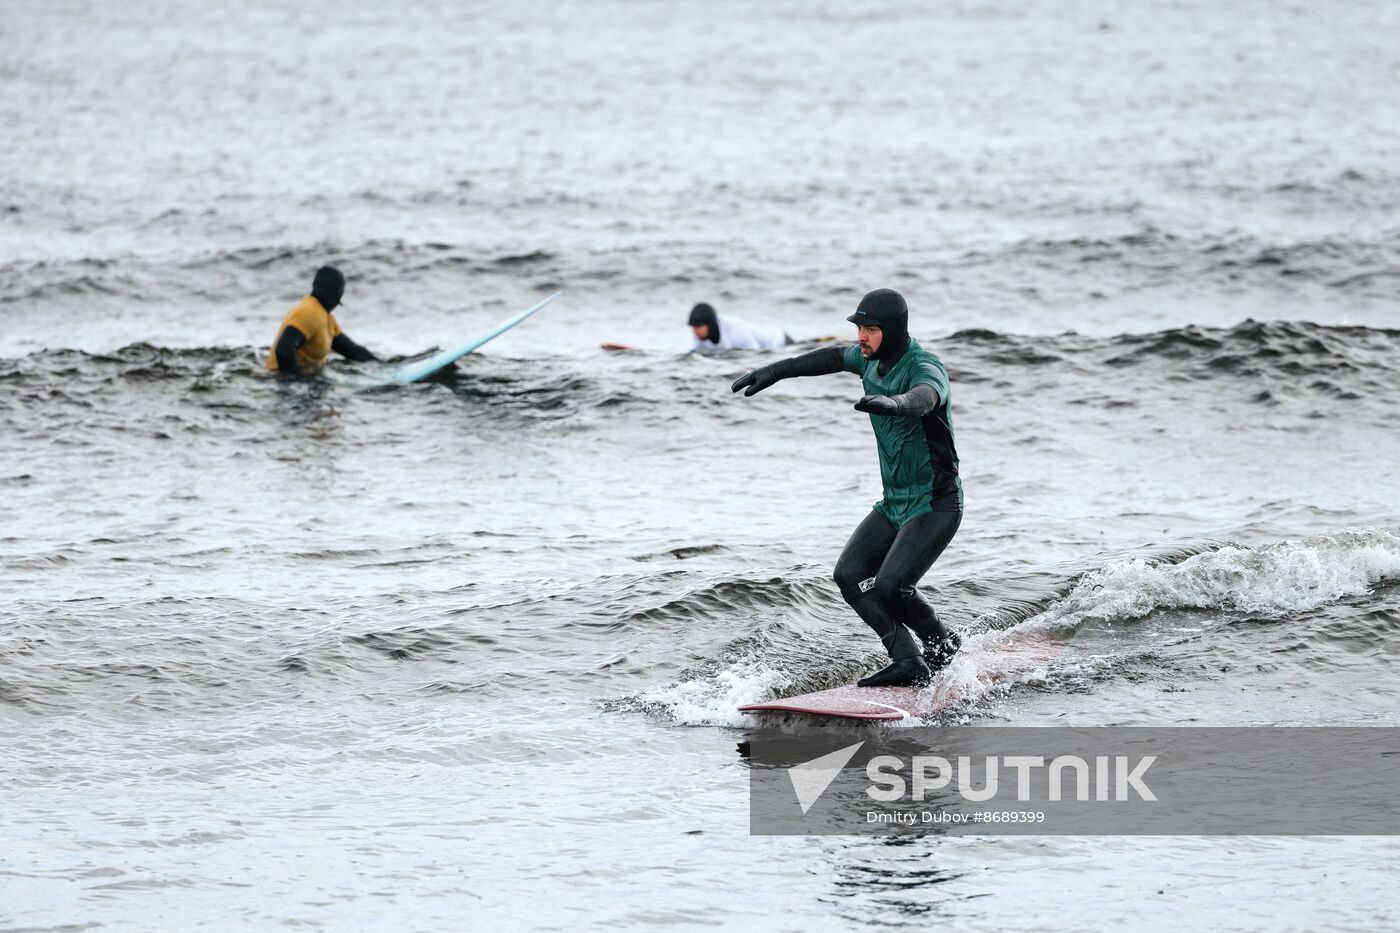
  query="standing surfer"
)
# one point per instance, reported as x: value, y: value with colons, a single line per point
x: 907, y: 398
x: 309, y: 331
x: 714, y: 332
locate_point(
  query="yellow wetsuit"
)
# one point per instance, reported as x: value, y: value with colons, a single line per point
x: 317, y: 325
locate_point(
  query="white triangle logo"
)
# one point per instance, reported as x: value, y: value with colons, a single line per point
x: 811, y: 778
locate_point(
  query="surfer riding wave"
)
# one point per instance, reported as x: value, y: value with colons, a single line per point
x: 907, y: 395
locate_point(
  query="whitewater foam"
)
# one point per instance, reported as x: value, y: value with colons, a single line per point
x: 714, y: 700
x: 1272, y: 580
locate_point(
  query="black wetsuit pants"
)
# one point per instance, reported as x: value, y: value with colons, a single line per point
x: 896, y: 560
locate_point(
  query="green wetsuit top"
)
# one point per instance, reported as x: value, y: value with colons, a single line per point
x: 918, y: 462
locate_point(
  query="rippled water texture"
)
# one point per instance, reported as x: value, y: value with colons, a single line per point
x: 466, y: 654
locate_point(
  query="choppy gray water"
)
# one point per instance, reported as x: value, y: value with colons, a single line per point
x: 467, y: 653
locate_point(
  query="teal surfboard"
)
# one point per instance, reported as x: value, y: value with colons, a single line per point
x: 422, y: 369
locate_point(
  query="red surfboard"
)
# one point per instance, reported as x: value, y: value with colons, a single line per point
x: 852, y: 702
x: 997, y: 658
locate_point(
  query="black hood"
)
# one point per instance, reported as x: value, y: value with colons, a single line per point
x: 704, y: 314
x: 886, y: 309
x: 328, y: 287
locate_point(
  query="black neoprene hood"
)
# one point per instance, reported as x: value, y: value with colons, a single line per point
x: 328, y: 287
x: 704, y: 314
x: 886, y: 309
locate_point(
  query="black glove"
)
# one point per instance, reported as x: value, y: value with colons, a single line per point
x: 754, y: 382
x: 877, y: 405
x: 351, y: 350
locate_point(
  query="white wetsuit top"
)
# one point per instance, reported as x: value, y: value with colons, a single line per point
x: 738, y: 334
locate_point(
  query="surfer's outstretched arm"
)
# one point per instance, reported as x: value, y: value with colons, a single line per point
x: 915, y: 403
x: 288, y: 344
x: 821, y: 362
x: 351, y: 350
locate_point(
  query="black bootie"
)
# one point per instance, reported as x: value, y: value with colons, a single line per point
x: 907, y: 667
x: 906, y: 672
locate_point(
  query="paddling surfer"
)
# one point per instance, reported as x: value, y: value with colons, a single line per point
x: 309, y: 331
x: 907, y: 398
x: 717, y: 332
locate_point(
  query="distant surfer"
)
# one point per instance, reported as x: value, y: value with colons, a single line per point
x: 907, y: 398
x: 309, y: 331
x: 715, y: 332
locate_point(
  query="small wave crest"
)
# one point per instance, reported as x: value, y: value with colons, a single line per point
x: 1272, y: 581
x: 1345, y: 358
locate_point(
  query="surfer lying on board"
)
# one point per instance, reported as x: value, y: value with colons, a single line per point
x: 907, y: 398
x: 714, y: 333
x: 309, y: 331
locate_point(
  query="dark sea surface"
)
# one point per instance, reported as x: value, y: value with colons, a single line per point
x: 466, y: 654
